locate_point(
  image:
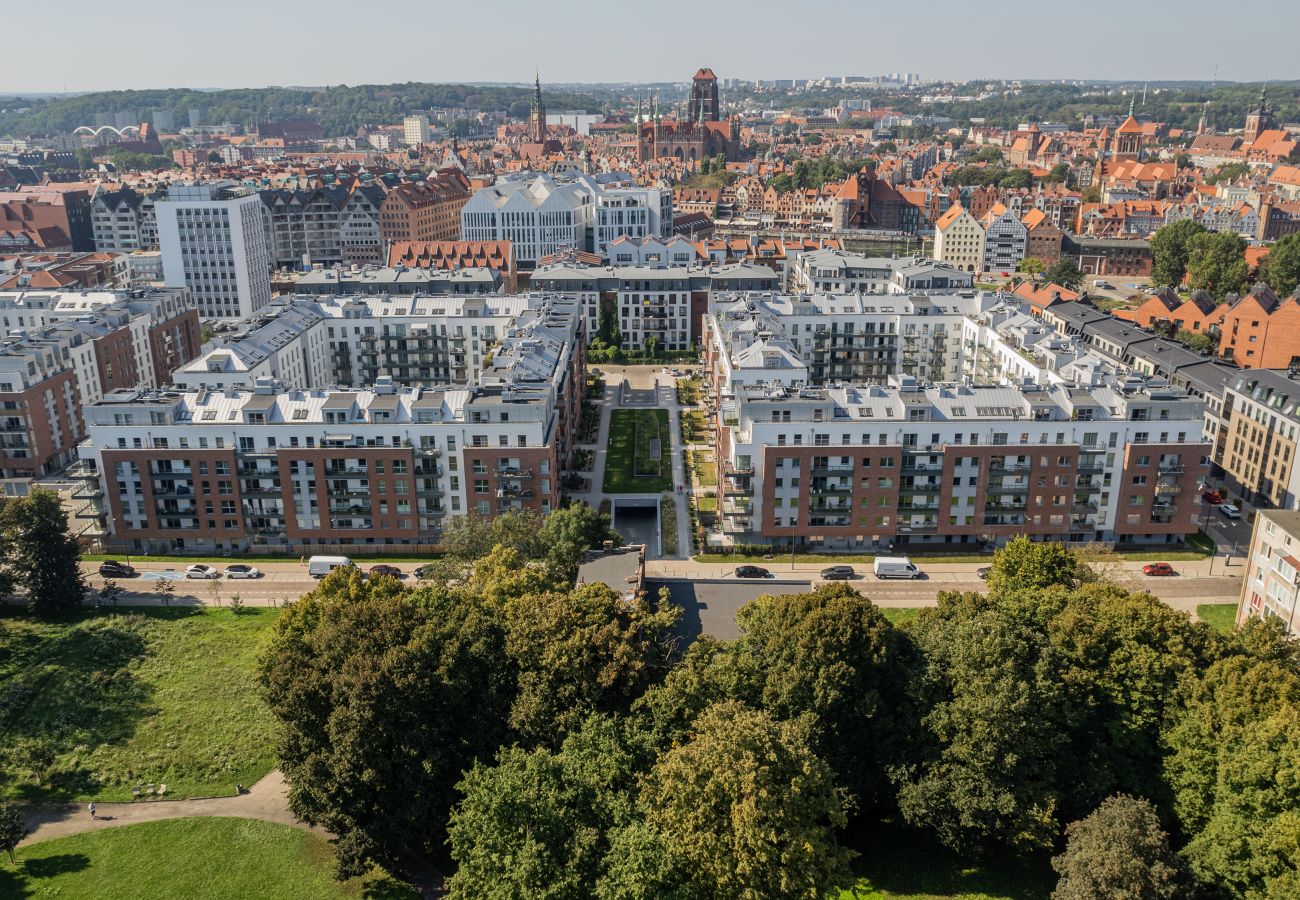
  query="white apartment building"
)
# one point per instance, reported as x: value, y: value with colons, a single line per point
x: 213, y: 241
x: 538, y: 215
x: 124, y: 221
x: 415, y: 130
x: 830, y: 271
x: 653, y: 251
x: 959, y: 240
x: 1271, y: 588
x: 633, y: 213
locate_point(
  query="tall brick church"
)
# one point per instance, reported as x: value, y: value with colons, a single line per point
x: 704, y: 133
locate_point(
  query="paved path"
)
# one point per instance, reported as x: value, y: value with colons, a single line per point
x: 266, y: 800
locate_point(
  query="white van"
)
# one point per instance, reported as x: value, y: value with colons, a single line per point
x: 320, y: 566
x: 895, y: 567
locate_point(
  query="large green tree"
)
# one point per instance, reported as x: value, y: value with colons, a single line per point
x: 1169, y: 250
x: 1032, y: 565
x: 1066, y: 273
x: 985, y: 773
x: 539, y: 823
x: 1216, y: 263
x: 582, y: 651
x: 748, y: 808
x: 12, y: 829
x: 385, y: 698
x: 1281, y: 267
x: 1119, y: 850
x: 1234, y: 769
x: 40, y: 553
x: 572, y: 530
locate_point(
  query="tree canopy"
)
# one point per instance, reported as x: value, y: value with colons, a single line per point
x: 1281, y: 267
x: 1119, y: 850
x: 1170, y: 250
x: 40, y: 553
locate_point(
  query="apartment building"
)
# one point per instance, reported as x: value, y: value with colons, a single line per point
x: 50, y: 208
x: 454, y: 255
x: 124, y: 220
x: 1262, y: 430
x: 40, y: 409
x: 664, y: 302
x: 834, y: 271
x: 398, y: 281
x: 425, y: 210
x: 538, y: 216
x: 633, y: 213
x: 1006, y: 239
x: 1271, y: 588
x: 214, y: 242
x: 415, y: 130
x: 361, y: 241
x: 906, y: 465
x: 304, y: 227
x: 959, y: 240
x: 290, y: 470
x: 314, y: 342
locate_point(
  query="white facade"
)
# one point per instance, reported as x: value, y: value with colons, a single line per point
x: 213, y: 241
x: 415, y: 130
x: 959, y: 241
x: 633, y: 213
x: 539, y: 216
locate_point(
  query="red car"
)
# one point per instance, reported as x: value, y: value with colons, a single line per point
x: 1158, y: 569
x: 1214, y: 498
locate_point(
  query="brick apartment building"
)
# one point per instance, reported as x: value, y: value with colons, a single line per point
x: 425, y: 211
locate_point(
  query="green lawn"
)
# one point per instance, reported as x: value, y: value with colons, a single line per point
x: 209, y: 858
x: 898, y: 864
x: 95, y: 704
x: 899, y: 615
x: 1222, y: 617
x: 629, y: 466
x: 703, y: 467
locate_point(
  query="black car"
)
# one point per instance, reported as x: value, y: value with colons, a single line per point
x: 983, y: 572
x: 426, y: 571
x: 113, y: 569
x: 838, y: 573
x: 385, y: 569
x: 752, y: 572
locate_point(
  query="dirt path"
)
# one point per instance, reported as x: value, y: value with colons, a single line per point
x: 267, y: 800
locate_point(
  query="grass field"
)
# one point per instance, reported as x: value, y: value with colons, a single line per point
x: 703, y: 467
x: 210, y: 858
x: 1222, y: 617
x: 897, y: 864
x: 629, y: 467
x: 899, y: 615
x: 93, y: 705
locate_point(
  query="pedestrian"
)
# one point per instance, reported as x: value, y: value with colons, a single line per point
x: 303, y: 560
x: 92, y: 812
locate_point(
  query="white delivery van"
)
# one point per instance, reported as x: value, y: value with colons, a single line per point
x: 895, y: 567
x: 320, y: 566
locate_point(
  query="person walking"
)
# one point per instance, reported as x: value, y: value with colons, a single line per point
x: 92, y: 811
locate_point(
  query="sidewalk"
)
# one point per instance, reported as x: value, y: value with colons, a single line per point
x: 267, y: 800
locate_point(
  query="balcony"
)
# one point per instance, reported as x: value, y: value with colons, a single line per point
x: 1170, y: 469
x: 349, y: 509
x: 919, y: 528
x: 832, y: 470
x: 736, y: 524
x: 816, y: 488
x: 1008, y: 468
x: 921, y: 469
x: 1001, y: 488
x: 1004, y: 520
x: 1168, y: 490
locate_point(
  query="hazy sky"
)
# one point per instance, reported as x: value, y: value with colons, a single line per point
x: 115, y: 44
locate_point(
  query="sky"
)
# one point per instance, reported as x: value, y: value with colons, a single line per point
x: 125, y: 44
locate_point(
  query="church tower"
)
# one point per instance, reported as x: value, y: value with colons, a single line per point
x: 1128, y: 137
x: 1258, y: 120
x: 704, y: 97
x: 537, y: 121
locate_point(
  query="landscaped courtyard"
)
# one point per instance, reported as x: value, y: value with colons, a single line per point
x: 639, y: 458
x: 96, y: 704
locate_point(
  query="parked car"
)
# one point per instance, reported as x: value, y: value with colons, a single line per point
x: 894, y: 567
x: 239, y: 570
x: 838, y: 573
x: 1229, y: 511
x: 1158, y: 569
x: 983, y: 572
x: 1214, y: 498
x: 427, y: 571
x: 752, y: 572
x: 110, y: 568
x: 198, y: 570
x: 384, y: 569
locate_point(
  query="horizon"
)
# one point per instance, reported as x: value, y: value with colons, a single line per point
x: 1025, y: 48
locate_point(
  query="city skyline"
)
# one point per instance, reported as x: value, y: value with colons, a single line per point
x: 991, y: 47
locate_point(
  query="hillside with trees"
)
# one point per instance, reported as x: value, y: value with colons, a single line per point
x: 339, y: 110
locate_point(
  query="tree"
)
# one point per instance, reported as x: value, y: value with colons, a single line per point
x: 1195, y: 340
x: 1090, y: 194
x: 385, y: 698
x: 1281, y: 267
x: 1059, y: 174
x: 572, y: 530
x: 1216, y: 263
x: 539, y: 823
x: 41, y: 554
x: 1031, y: 266
x: 1169, y: 250
x: 1066, y: 273
x: 748, y: 807
x: 110, y: 593
x: 12, y: 829
x: 1025, y: 565
x: 1119, y: 850
x: 1234, y: 768
x: 581, y: 652
x: 984, y: 772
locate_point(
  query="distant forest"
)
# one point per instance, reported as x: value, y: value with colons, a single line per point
x: 1067, y: 104
x: 340, y: 110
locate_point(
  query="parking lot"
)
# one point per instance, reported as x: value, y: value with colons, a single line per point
x: 711, y: 605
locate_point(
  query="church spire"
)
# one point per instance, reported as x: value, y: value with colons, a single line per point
x: 538, y: 122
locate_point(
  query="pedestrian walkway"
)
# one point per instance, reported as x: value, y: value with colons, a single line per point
x: 267, y: 800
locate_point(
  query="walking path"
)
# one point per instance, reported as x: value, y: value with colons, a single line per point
x: 267, y: 800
